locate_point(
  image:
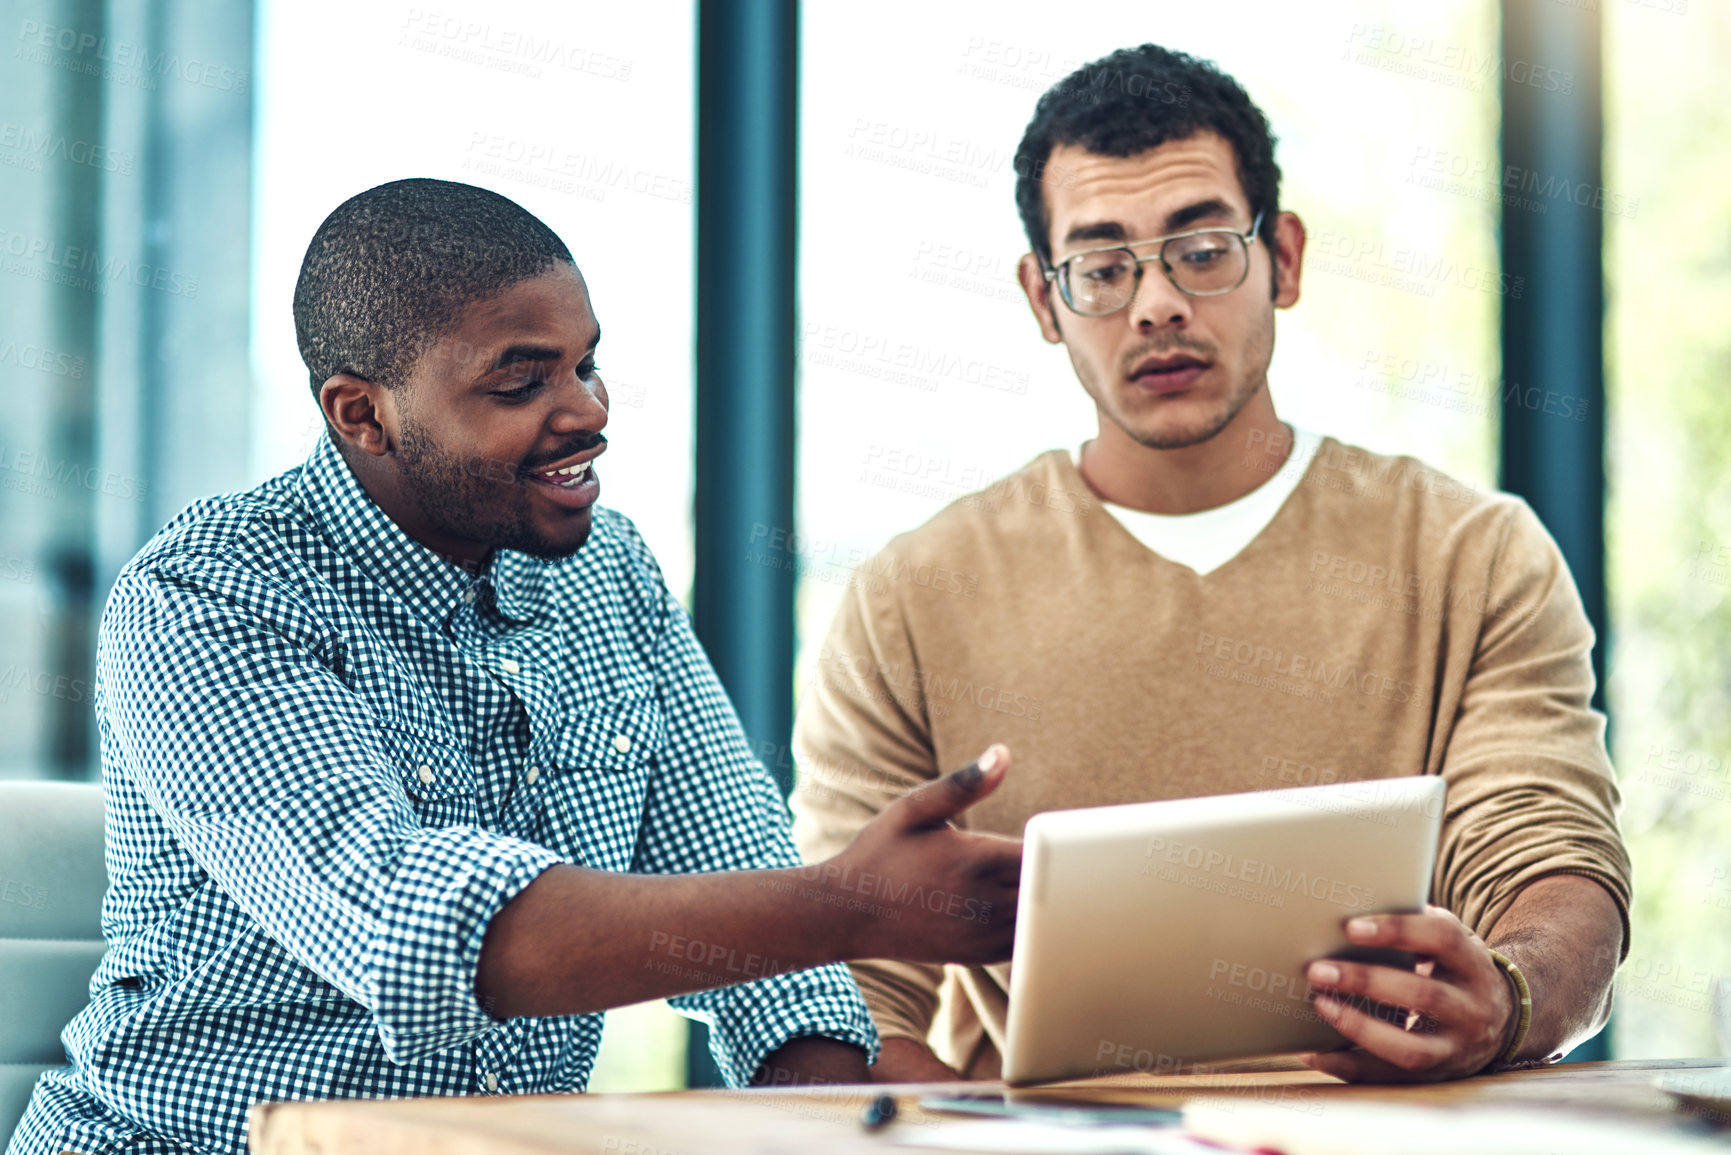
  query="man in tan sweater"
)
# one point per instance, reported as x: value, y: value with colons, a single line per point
x: 1205, y: 601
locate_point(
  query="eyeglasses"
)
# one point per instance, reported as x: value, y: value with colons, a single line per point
x: 1201, y: 262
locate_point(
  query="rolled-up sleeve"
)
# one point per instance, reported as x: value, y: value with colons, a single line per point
x: 712, y: 806
x: 223, y: 695
x: 1531, y: 790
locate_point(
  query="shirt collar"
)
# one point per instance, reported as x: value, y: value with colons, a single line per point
x: 519, y: 590
x: 430, y: 585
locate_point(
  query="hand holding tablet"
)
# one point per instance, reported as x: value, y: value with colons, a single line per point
x: 1158, y: 935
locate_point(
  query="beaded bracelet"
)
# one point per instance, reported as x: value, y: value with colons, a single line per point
x: 1524, y: 996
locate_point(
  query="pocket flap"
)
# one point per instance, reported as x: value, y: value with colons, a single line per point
x: 619, y: 735
x: 432, y: 764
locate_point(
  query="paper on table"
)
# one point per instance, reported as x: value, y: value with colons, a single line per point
x: 1367, y: 1129
x: 1028, y: 1137
x: 1704, y: 1092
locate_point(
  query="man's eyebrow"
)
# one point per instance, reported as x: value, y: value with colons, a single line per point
x: 512, y: 354
x: 1176, y: 221
x: 1097, y: 231
x: 1181, y: 219
x: 515, y: 353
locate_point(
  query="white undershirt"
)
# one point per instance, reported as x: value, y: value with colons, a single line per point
x: 1207, y: 540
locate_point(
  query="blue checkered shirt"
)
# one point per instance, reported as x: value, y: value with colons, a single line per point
x: 329, y: 757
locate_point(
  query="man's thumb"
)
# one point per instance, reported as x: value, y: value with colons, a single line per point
x: 937, y: 802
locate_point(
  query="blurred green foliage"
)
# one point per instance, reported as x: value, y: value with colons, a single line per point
x: 1668, y: 365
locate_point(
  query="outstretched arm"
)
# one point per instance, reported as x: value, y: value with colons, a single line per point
x: 578, y: 940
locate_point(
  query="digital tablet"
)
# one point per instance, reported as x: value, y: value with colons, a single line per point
x: 1154, y: 936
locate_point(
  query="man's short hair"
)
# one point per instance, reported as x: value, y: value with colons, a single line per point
x: 1138, y: 99
x: 391, y: 269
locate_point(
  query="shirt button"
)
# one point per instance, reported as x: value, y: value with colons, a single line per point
x: 425, y: 774
x: 492, y: 1081
x: 469, y: 596
x: 622, y: 743
x: 509, y: 665
x: 534, y: 773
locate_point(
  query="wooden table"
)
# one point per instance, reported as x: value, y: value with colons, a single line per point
x: 795, y: 1121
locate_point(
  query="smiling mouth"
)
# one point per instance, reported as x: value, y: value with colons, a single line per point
x: 567, y: 478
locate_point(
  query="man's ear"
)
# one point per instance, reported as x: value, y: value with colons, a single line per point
x: 1038, y: 290
x: 363, y: 412
x: 1288, y: 253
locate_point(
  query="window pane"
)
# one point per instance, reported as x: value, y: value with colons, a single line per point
x: 923, y: 374
x: 1668, y: 360
x: 124, y: 164
x: 586, y: 122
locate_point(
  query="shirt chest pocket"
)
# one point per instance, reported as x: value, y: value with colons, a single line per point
x: 600, y: 765
x: 617, y: 737
x: 434, y: 770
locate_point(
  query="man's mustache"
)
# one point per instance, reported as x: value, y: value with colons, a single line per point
x: 1201, y: 349
x: 583, y: 443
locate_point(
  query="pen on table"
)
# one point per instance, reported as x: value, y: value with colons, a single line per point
x: 878, y: 1113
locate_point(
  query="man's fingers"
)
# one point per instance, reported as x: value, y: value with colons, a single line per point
x: 1410, y: 1051
x: 1430, y: 997
x: 1436, y: 933
x: 937, y: 802
x: 1359, y: 1067
x: 1461, y: 1004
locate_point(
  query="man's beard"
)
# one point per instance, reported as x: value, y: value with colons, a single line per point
x: 482, y: 501
x: 1236, y: 400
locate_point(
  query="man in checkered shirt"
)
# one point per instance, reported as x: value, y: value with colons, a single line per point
x: 413, y: 766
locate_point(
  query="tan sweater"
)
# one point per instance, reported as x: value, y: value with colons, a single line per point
x: 1388, y: 621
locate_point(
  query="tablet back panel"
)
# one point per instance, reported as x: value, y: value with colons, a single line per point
x: 1156, y: 935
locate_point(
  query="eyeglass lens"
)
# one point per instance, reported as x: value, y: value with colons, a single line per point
x: 1203, y: 264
